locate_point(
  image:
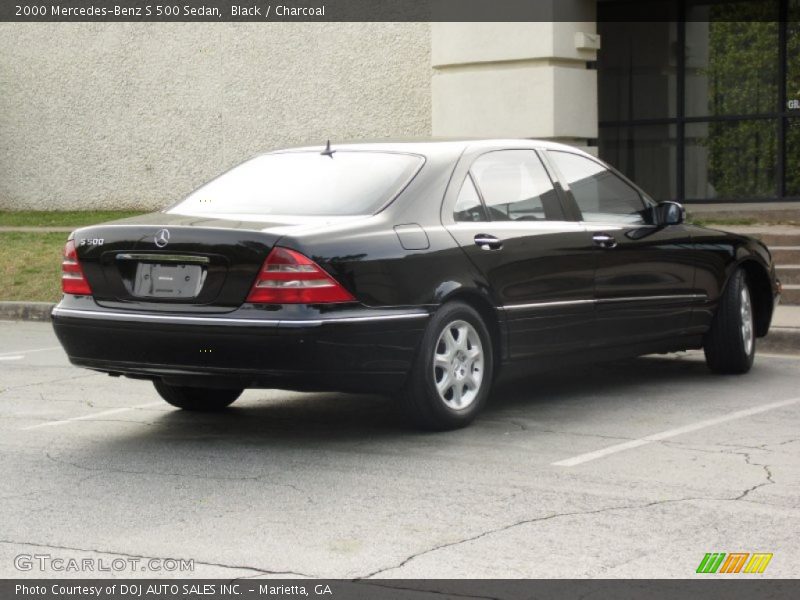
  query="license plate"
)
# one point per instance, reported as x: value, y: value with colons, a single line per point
x: 168, y: 281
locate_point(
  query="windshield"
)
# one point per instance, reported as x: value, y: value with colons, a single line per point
x: 305, y: 184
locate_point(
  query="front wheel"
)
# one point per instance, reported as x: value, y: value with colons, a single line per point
x: 196, y: 399
x: 730, y: 345
x: 450, y: 380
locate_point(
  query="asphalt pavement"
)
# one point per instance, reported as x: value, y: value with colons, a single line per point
x: 636, y: 468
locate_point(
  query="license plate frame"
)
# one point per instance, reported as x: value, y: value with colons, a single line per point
x: 169, y: 281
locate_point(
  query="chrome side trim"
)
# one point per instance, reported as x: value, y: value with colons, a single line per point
x: 133, y: 317
x: 547, y: 304
x: 558, y: 303
x: 654, y: 298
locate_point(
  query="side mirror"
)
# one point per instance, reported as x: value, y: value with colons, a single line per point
x: 669, y: 213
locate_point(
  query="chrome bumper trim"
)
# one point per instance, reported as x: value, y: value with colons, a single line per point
x: 134, y: 317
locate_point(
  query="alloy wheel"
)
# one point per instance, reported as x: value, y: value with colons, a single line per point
x: 746, y: 310
x: 458, y: 365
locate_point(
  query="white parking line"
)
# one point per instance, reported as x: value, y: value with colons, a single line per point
x: 105, y: 413
x: 24, y: 352
x: 16, y: 357
x: 656, y: 437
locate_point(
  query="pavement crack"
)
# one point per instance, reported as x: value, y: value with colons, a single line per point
x: 529, y: 521
x: 257, y: 478
x: 522, y: 426
x: 62, y: 461
x: 767, y: 472
x: 28, y: 385
x: 257, y: 570
x: 44, y: 490
x: 748, y: 458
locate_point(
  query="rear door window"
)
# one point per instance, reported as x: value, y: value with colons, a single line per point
x: 515, y: 186
x: 469, y: 206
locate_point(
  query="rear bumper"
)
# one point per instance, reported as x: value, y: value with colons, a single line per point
x: 363, y: 350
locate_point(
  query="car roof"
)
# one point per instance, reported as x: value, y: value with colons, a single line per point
x: 434, y: 146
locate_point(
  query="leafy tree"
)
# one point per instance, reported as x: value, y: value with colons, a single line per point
x: 742, y: 79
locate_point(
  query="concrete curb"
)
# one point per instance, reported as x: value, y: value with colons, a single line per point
x: 25, y: 311
x: 780, y: 340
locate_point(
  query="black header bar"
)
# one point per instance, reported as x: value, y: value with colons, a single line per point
x: 264, y: 11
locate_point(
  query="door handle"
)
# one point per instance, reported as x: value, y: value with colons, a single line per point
x: 603, y: 240
x: 488, y: 242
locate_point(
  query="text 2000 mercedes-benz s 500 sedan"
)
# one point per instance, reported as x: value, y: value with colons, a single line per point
x: 412, y: 268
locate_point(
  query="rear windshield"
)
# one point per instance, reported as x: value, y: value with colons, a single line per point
x: 305, y: 184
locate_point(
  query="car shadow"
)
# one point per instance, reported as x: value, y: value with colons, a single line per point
x: 272, y: 417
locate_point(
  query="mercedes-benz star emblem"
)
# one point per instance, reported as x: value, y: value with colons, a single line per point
x: 162, y: 238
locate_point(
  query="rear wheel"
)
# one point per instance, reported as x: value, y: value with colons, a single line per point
x: 196, y: 399
x: 730, y: 345
x: 449, y: 383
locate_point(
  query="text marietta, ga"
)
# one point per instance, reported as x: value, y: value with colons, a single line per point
x: 159, y: 590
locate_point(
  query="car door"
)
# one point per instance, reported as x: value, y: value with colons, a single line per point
x: 508, y: 217
x: 644, y: 274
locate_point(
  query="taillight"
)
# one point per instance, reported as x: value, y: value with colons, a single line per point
x: 73, y: 281
x: 288, y: 277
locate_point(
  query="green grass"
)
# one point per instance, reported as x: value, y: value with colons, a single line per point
x: 58, y: 218
x: 30, y: 266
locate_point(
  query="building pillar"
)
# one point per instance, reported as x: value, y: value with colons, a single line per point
x: 527, y: 80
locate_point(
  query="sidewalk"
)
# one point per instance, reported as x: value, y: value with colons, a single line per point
x: 787, y: 316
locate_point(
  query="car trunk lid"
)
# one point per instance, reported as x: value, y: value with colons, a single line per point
x: 177, y: 263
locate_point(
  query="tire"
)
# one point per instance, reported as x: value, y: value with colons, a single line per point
x: 452, y: 374
x: 730, y: 344
x: 197, y: 399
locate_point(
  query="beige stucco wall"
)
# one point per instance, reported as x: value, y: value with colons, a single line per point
x: 515, y: 80
x: 120, y: 115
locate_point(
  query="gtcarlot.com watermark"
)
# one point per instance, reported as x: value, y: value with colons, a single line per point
x: 59, y: 564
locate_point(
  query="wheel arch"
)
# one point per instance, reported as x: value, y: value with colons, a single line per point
x: 490, y: 315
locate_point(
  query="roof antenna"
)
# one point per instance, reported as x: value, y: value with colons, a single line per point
x: 328, y: 151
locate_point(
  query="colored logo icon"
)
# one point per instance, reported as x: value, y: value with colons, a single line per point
x: 735, y: 562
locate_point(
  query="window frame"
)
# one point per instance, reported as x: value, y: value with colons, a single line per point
x: 556, y: 207
x: 462, y: 167
x: 481, y: 202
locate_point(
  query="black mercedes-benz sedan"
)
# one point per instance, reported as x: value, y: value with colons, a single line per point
x: 419, y: 269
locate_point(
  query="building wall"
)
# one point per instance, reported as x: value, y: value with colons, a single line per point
x: 126, y: 115
x: 515, y: 80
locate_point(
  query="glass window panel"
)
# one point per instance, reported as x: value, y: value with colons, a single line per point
x: 468, y: 206
x: 305, y: 184
x: 600, y: 194
x: 793, y: 57
x: 792, y: 161
x: 731, y: 58
x: 637, y: 70
x: 514, y: 184
x: 646, y: 154
x: 730, y: 160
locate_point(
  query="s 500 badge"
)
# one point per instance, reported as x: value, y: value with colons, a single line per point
x: 91, y: 241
